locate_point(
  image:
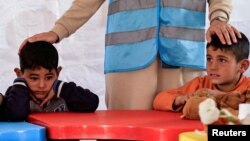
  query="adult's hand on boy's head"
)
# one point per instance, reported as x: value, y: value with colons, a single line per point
x: 50, y: 37
x: 226, y: 32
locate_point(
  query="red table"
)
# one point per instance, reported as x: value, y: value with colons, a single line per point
x: 115, y: 124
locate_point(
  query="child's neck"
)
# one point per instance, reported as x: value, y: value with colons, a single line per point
x: 227, y: 87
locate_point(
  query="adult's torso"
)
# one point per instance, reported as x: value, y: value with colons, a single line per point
x: 139, y: 30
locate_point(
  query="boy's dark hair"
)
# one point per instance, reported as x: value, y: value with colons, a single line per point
x: 239, y: 49
x: 38, y: 54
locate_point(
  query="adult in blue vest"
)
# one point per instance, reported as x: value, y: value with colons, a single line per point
x: 151, y: 45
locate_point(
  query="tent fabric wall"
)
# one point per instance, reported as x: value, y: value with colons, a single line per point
x: 82, y: 54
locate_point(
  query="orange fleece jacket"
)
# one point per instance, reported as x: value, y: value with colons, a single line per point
x: 165, y: 99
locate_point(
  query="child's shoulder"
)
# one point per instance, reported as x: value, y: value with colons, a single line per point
x: 245, y: 78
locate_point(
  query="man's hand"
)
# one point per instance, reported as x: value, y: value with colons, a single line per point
x: 226, y: 33
x: 50, y: 37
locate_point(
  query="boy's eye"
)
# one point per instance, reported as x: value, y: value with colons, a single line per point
x: 222, y: 60
x: 49, y: 77
x: 33, y: 78
x: 209, y: 59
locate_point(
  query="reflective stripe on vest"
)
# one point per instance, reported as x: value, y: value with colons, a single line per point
x: 137, y: 30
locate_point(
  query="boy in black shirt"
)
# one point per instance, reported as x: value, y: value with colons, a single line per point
x: 37, y: 88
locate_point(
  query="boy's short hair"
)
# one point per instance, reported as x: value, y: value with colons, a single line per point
x: 239, y: 49
x: 38, y: 54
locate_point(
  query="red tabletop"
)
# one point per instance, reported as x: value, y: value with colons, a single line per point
x: 115, y: 124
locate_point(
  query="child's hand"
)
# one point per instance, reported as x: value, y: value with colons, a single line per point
x: 191, y: 108
x: 48, y: 98
x: 34, y: 99
x: 179, y: 101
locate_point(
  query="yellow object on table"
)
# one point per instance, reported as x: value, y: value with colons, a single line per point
x: 193, y: 136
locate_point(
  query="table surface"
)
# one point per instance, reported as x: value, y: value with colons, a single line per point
x: 21, y: 131
x: 115, y: 124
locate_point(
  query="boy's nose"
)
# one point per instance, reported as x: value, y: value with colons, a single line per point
x: 42, y: 84
x: 214, y: 65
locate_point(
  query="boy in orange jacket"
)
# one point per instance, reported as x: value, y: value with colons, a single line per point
x: 225, y: 67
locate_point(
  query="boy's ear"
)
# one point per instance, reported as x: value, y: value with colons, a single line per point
x: 18, y: 72
x: 58, y: 70
x: 244, y: 65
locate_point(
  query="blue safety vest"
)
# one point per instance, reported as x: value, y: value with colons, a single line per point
x: 139, y: 30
